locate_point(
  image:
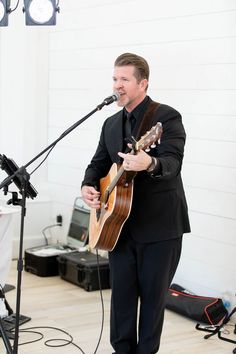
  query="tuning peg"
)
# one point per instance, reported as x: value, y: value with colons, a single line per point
x: 147, y: 149
x: 153, y: 145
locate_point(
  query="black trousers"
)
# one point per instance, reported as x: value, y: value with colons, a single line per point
x: 140, y: 272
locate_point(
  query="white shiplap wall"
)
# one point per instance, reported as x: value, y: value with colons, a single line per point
x: 191, y: 50
x: 24, y: 117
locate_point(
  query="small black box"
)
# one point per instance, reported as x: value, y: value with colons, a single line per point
x: 42, y: 260
x: 81, y: 268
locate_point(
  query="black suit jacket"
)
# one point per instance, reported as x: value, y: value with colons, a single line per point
x: 159, y: 208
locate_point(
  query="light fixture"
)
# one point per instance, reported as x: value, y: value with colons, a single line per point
x: 40, y: 12
x: 4, y: 12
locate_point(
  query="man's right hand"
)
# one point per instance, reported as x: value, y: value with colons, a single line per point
x: 91, y: 197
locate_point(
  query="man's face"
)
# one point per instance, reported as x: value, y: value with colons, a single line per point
x: 130, y: 90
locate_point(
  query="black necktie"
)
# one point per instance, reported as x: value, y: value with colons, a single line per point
x: 129, y: 124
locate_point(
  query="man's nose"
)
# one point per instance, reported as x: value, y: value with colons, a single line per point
x: 118, y: 84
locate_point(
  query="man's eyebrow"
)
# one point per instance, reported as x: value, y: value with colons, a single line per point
x: 122, y: 77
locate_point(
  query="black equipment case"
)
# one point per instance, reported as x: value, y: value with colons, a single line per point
x: 81, y: 268
x: 42, y: 260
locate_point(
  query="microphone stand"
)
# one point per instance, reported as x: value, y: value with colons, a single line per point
x: 21, y: 179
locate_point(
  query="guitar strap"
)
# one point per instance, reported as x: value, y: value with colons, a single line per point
x: 147, y: 119
x: 144, y: 126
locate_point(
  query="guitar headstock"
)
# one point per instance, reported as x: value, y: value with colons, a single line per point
x: 149, y: 138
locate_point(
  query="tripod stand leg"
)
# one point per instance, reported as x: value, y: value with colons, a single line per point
x: 5, y: 338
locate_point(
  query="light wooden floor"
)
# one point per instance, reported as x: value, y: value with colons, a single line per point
x: 54, y: 302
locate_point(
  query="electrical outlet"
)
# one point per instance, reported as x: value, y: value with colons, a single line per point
x: 59, y: 219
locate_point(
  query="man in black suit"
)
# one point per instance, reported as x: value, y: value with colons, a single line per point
x: 147, y: 253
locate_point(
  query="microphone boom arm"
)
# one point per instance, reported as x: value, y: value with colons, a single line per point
x: 21, y: 178
x: 107, y: 101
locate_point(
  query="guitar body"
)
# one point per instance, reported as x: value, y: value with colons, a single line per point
x: 106, y: 224
x: 116, y: 198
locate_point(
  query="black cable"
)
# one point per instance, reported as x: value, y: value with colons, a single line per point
x: 102, y: 302
x: 32, y: 341
x: 64, y: 133
x: 43, y: 160
x: 46, y: 228
x: 14, y: 7
x: 66, y: 341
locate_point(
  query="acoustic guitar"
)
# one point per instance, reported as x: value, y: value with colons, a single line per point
x: 116, y: 192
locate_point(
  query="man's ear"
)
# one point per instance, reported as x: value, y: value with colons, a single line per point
x: 144, y: 84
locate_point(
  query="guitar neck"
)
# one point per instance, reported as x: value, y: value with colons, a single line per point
x: 116, y: 179
x: 119, y: 175
x: 144, y: 142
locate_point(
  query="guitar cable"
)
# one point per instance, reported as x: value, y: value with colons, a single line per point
x: 65, y: 342
x: 102, y: 302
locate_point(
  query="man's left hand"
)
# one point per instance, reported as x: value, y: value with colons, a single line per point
x: 139, y: 162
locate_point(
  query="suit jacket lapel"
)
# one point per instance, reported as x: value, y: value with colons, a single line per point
x: 115, y: 136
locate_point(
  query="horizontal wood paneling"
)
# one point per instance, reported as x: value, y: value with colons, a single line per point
x: 191, y: 50
x: 209, y: 251
x: 219, y: 153
x: 184, y: 53
x: 210, y: 127
x: 182, y: 76
x: 211, y: 201
x: 215, y: 228
x: 205, y: 276
x: 199, y: 101
x: 210, y: 177
x: 170, y: 30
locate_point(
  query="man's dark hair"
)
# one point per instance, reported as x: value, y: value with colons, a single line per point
x: 141, y: 66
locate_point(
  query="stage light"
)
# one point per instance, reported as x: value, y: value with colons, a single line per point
x: 40, y: 12
x: 4, y: 12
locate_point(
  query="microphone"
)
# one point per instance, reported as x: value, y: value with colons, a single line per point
x: 114, y: 97
x: 110, y: 99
